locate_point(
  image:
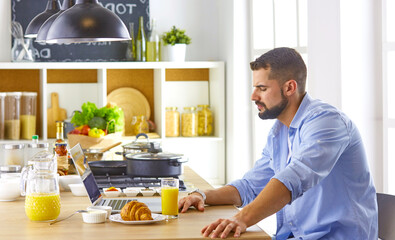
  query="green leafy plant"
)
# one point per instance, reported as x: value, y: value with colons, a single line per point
x: 175, y: 36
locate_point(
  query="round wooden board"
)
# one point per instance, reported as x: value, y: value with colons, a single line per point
x: 132, y: 102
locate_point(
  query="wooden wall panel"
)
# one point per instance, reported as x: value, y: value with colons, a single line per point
x: 72, y: 76
x: 140, y: 79
x: 26, y: 80
x: 198, y: 74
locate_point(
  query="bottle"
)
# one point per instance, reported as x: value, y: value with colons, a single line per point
x: 61, y: 150
x: 172, y: 122
x: 131, y: 48
x: 153, y: 44
x: 141, y: 47
x: 205, y: 121
x: 189, y: 122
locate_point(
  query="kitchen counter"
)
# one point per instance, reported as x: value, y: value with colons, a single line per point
x: 15, y: 225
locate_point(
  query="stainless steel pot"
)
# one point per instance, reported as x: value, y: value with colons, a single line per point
x: 154, y: 164
x: 140, y: 147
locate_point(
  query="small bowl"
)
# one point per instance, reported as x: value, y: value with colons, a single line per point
x: 64, y: 181
x: 9, y: 189
x: 78, y: 189
x: 94, y: 216
x: 108, y: 209
x: 131, y: 192
x: 112, y: 193
x: 148, y: 192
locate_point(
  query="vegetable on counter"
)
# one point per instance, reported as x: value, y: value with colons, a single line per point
x: 108, y: 119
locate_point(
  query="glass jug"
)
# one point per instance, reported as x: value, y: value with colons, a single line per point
x: 42, y: 201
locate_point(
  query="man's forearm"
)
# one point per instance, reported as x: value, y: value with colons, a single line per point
x: 224, y: 195
x: 269, y: 201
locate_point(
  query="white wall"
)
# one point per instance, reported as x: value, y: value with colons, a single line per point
x: 344, y: 67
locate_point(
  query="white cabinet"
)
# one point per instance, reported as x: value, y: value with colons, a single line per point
x: 163, y: 83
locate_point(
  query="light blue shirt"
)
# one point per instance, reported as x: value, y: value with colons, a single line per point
x: 326, y: 170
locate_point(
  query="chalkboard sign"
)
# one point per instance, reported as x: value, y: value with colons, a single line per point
x: 23, y: 11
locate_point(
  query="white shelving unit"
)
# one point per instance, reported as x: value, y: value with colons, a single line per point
x: 206, y: 154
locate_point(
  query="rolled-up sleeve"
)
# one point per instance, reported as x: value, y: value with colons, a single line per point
x: 322, y: 139
x: 254, y: 180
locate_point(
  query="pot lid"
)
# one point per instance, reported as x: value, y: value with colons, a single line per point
x: 137, y: 145
x: 153, y: 156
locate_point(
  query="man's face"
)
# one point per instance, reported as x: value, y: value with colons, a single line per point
x: 267, y: 95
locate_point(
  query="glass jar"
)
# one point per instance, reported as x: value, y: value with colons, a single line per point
x: 13, y: 154
x: 2, y: 112
x: 205, y: 120
x: 12, y: 113
x: 23, y: 50
x: 139, y: 124
x: 189, y: 122
x: 33, y: 148
x: 172, y: 122
x: 28, y: 114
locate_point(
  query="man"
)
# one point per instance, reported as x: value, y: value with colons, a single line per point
x: 313, y: 172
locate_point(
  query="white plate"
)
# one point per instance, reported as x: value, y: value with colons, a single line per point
x: 156, y: 218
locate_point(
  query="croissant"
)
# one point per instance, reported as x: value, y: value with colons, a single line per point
x: 135, y: 211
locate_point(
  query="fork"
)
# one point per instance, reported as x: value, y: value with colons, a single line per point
x: 58, y: 220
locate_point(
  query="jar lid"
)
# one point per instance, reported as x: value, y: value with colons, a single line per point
x: 2, y: 94
x: 10, y: 168
x: 30, y: 94
x: 203, y: 105
x: 16, y: 94
x: 38, y: 145
x: 190, y: 108
x: 171, y: 108
x: 9, y: 146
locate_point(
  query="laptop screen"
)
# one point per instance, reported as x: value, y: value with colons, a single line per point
x: 85, y: 173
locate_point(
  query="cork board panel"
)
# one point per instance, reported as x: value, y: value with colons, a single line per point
x: 23, y: 80
x: 71, y: 76
x: 140, y: 79
x: 187, y: 74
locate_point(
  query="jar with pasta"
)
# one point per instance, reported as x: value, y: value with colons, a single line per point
x: 189, y: 122
x: 205, y: 120
x: 12, y: 115
x: 172, y: 122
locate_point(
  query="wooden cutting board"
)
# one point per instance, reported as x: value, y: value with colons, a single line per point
x: 54, y: 113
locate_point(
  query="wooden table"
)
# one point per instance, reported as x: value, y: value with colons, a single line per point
x: 15, y: 225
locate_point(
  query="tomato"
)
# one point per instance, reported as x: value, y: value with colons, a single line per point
x: 85, y: 130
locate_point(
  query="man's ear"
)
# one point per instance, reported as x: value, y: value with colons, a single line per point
x: 290, y: 87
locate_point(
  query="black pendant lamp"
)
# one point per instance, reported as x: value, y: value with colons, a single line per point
x: 87, y: 21
x: 53, y: 6
x: 43, y: 32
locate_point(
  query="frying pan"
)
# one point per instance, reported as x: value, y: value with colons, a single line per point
x: 104, y: 167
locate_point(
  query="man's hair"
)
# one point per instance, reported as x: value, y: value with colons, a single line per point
x: 284, y: 64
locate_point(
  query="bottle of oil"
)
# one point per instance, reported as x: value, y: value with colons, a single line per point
x: 61, y: 150
x: 153, y: 44
x: 141, y: 47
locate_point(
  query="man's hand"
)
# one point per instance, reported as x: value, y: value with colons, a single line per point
x: 195, y: 200
x: 222, y: 227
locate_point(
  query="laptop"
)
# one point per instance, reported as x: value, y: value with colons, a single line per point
x: 95, y: 196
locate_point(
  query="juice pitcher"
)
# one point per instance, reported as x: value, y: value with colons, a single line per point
x: 42, y: 201
x: 39, y: 183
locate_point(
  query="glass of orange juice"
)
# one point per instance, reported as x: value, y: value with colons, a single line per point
x: 169, y: 193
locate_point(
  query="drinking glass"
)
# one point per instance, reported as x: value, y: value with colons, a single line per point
x: 169, y: 193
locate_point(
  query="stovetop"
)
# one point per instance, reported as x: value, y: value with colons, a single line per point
x: 125, y: 181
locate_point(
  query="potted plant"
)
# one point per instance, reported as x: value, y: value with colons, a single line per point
x: 176, y: 40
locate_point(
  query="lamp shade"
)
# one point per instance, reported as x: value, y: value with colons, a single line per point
x: 53, y: 6
x: 87, y: 21
x: 43, y: 32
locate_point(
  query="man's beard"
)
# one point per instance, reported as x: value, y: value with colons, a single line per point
x: 275, y: 110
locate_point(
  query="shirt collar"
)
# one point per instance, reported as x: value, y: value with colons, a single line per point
x: 296, y: 121
x: 303, y: 108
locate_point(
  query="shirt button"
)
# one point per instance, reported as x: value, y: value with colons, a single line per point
x: 290, y: 223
